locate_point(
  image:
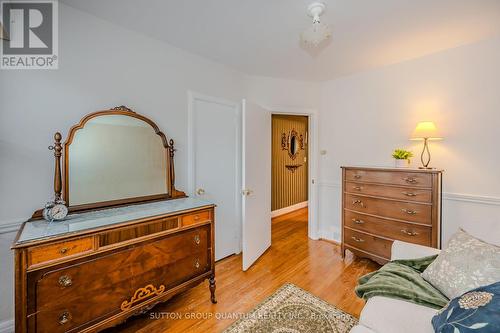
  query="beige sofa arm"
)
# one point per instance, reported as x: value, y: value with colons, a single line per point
x: 403, y: 250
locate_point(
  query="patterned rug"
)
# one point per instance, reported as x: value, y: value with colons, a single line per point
x: 293, y: 310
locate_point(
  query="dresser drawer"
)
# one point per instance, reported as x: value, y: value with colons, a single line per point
x: 413, y: 212
x: 61, y: 250
x: 403, y: 193
x: 195, y: 218
x: 387, y: 177
x: 104, y: 286
x: 107, y: 297
x: 407, y: 232
x: 371, y: 244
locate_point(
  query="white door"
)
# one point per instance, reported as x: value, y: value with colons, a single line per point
x: 214, y: 131
x: 256, y: 182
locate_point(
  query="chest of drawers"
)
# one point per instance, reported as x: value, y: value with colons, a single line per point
x: 95, y: 278
x: 382, y: 205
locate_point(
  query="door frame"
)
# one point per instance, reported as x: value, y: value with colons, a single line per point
x: 313, y: 158
x: 191, y: 188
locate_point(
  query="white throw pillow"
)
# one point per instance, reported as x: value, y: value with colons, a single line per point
x: 466, y: 263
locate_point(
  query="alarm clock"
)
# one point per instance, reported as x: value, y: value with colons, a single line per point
x: 55, y: 211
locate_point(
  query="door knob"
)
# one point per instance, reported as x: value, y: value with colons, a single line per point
x: 247, y: 192
x: 200, y: 191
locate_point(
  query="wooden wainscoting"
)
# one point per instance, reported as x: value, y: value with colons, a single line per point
x: 289, y: 175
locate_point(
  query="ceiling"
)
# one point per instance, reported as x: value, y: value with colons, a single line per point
x: 261, y: 37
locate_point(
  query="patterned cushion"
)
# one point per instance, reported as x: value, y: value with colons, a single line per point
x: 476, y: 311
x: 465, y: 264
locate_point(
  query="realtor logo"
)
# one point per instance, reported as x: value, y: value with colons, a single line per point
x: 32, y: 35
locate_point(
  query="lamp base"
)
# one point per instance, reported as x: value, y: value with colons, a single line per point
x: 426, y: 168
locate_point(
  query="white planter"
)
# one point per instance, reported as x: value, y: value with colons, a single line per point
x: 402, y: 163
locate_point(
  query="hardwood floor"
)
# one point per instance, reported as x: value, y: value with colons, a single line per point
x: 315, y: 266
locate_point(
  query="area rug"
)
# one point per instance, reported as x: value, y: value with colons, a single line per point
x: 293, y: 310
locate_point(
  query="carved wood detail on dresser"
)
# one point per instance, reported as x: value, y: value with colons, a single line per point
x: 380, y: 205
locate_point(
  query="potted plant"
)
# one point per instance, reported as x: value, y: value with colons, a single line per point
x: 402, y: 158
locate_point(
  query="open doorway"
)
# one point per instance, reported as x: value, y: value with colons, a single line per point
x: 289, y: 166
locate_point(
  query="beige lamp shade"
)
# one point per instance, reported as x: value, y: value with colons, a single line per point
x: 426, y: 130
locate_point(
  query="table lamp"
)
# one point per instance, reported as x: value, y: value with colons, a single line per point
x: 3, y: 33
x: 425, y: 130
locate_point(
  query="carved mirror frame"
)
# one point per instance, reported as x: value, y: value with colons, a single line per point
x: 61, y: 175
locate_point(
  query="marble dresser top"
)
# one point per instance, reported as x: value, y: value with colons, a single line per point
x: 40, y: 229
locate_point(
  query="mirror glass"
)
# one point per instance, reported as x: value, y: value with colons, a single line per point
x: 293, y: 145
x: 115, y: 157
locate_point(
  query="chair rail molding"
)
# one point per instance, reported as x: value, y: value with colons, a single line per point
x: 7, y: 326
x: 7, y: 227
x: 451, y: 196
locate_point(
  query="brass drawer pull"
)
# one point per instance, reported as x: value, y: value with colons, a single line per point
x: 64, y: 317
x: 358, y: 202
x: 356, y: 239
x: 197, y: 264
x: 63, y: 250
x: 65, y: 281
x: 357, y: 176
x: 409, y: 233
x: 410, y: 180
x: 409, y: 211
x: 197, y: 239
x: 358, y: 221
x: 357, y: 188
x: 409, y: 194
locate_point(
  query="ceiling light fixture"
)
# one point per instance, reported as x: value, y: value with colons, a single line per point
x: 318, y: 32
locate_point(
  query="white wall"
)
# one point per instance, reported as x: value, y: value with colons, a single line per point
x: 365, y: 116
x: 289, y: 94
x: 101, y: 66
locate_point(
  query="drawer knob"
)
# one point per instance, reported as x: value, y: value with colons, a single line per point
x: 63, y: 250
x: 196, y: 217
x: 410, y: 180
x: 197, y: 239
x: 358, y: 221
x: 358, y: 202
x: 358, y: 188
x: 356, y: 239
x: 409, y: 211
x: 65, y: 281
x: 64, y: 317
x: 409, y: 232
x: 409, y: 194
x: 197, y: 264
x: 357, y: 176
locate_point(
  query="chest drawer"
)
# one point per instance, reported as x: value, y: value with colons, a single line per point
x: 413, y: 212
x: 378, y: 246
x: 45, y: 253
x: 394, y: 178
x: 195, y: 218
x: 108, y: 285
x: 402, y: 193
x: 407, y: 232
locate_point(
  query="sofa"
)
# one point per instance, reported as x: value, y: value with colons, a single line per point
x: 388, y: 315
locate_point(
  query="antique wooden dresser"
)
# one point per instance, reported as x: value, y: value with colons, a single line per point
x: 381, y: 205
x: 139, y: 243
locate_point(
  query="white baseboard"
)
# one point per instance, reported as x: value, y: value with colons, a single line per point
x: 7, y: 326
x: 288, y: 209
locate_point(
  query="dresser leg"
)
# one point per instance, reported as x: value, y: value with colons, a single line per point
x: 211, y: 280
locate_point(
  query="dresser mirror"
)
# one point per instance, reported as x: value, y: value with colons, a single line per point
x: 113, y: 157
